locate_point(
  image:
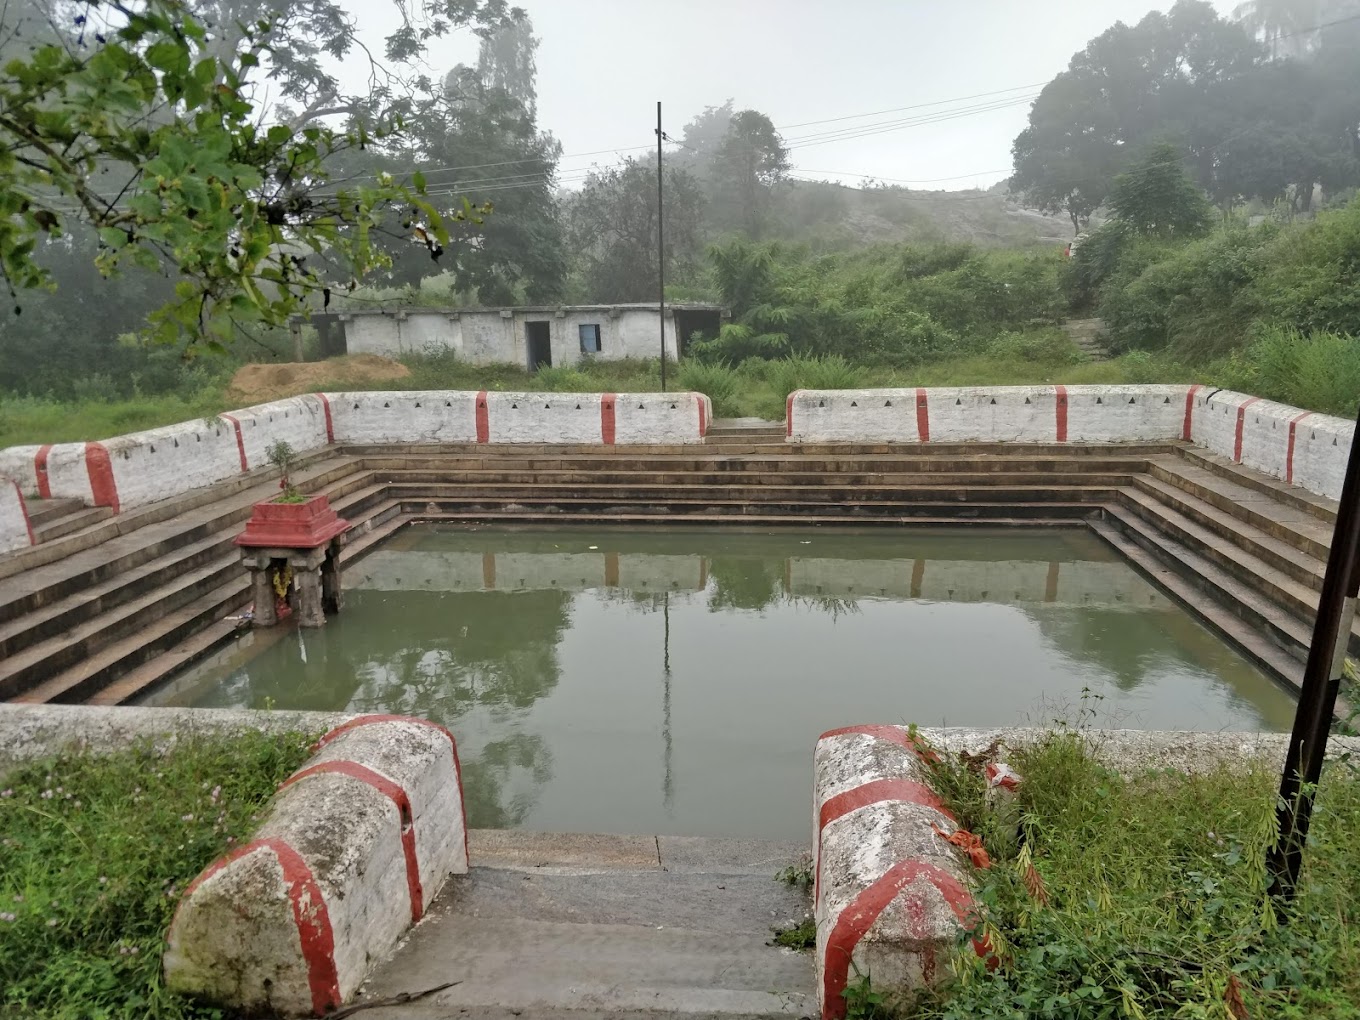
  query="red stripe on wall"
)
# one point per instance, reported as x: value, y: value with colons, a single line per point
x: 788, y: 416
x: 365, y: 720
x: 607, y: 418
x: 330, y: 424
x: 875, y: 792
x: 100, y: 469
x: 1241, y: 423
x: 40, y: 469
x: 23, y: 509
x: 861, y: 913
x: 240, y: 442
x: 1289, y: 455
x: 1061, y: 392
x: 922, y: 415
x: 405, y: 818
x: 310, y: 915
x: 1190, y: 410
x: 483, y: 419
x: 703, y: 415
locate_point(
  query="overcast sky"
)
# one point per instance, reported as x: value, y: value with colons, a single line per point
x: 603, y: 64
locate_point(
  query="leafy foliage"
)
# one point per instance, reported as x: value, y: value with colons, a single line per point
x: 1144, y: 896
x: 84, y: 906
x: 140, y: 93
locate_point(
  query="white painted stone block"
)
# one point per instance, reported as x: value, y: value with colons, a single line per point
x: 17, y: 462
x: 300, y: 421
x: 67, y: 474
x: 415, y: 416
x: 355, y: 846
x: 660, y: 418
x: 1321, y: 451
x: 15, y: 530
x: 569, y: 418
x: 890, y: 893
x: 1122, y: 414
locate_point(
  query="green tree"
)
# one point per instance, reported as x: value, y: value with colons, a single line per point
x: 1131, y: 86
x: 477, y: 141
x: 130, y: 118
x: 1157, y: 198
x: 749, y: 162
x: 1285, y: 26
x: 612, y: 224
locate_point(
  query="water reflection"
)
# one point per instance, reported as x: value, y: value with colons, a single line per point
x: 674, y: 681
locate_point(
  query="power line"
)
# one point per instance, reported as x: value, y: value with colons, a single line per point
x: 917, y: 106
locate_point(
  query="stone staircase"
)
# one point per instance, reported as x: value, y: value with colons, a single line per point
x: 1085, y: 333
x: 110, y: 609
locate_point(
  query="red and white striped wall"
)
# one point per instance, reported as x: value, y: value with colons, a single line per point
x: 356, y: 846
x: 890, y: 893
x: 1302, y: 448
x: 996, y: 414
x: 588, y: 419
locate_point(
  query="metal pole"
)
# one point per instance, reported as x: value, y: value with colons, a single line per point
x: 660, y: 247
x: 1321, y: 681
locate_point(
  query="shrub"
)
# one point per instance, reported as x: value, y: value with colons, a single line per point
x: 719, y: 382
x: 1048, y: 346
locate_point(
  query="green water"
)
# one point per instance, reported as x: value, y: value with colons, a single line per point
x: 674, y: 681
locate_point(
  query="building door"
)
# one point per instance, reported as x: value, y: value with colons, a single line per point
x: 539, y: 337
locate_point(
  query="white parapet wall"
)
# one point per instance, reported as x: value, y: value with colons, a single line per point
x: 355, y: 847
x: 989, y: 414
x: 16, y: 532
x: 143, y: 467
x: 1302, y: 448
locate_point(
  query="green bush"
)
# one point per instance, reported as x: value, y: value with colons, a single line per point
x: 1316, y: 371
x: 718, y: 382
x: 1048, y: 346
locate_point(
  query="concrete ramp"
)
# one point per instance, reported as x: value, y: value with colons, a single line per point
x: 567, y: 926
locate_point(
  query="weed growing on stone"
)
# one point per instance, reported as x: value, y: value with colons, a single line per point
x: 1145, y: 897
x: 802, y: 935
x: 95, y: 853
x: 799, y: 874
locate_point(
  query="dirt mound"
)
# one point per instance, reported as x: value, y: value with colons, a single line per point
x: 256, y: 383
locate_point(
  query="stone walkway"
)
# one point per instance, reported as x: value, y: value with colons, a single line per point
x: 562, y: 926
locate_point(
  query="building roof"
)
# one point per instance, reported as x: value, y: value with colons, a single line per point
x: 681, y: 306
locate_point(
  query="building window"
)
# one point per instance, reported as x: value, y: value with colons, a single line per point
x: 590, y: 338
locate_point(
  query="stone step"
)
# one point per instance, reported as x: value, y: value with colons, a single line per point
x: 43, y: 510
x: 556, y: 481
x: 1282, y: 556
x: 605, y: 509
x: 1036, y: 491
x: 432, y: 469
x: 833, y: 450
x: 66, y: 524
x: 1321, y: 507
x: 1289, y: 524
x: 89, y: 676
x: 1298, y: 600
x: 134, y: 543
x: 998, y: 517
x: 146, y: 677
x: 615, y: 926
x: 250, y: 488
x: 63, y: 614
x: 39, y: 662
x: 1256, y: 628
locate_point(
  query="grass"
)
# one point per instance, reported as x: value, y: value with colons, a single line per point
x: 754, y: 388
x: 95, y: 853
x: 1144, y: 897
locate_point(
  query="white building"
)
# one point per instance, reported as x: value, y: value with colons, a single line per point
x: 531, y: 336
